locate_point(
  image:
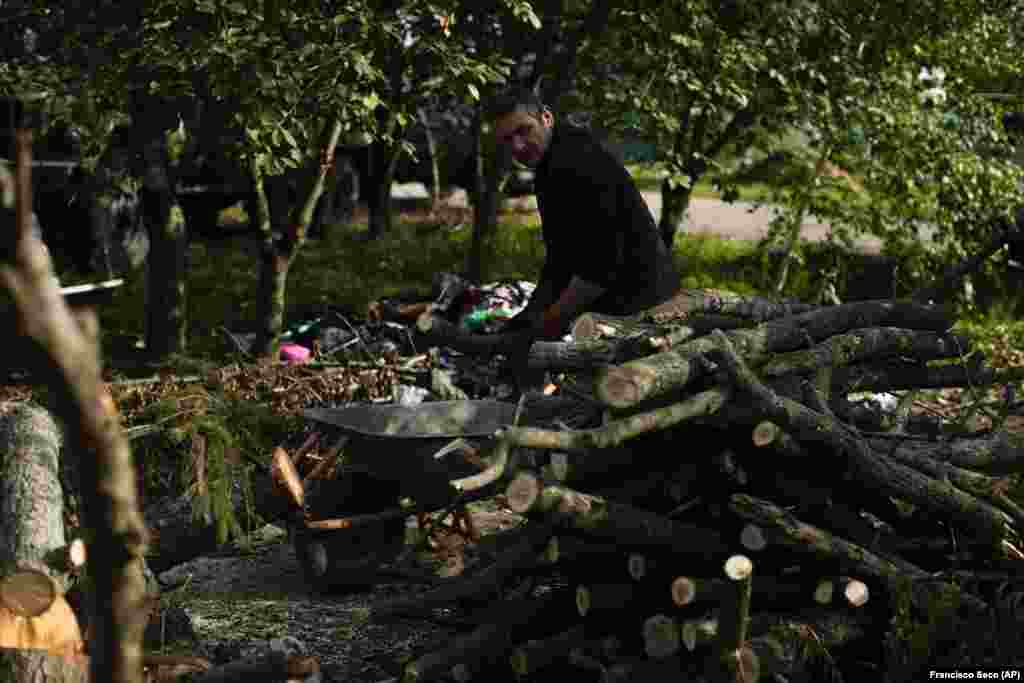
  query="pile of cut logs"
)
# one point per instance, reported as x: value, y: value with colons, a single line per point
x: 734, y: 509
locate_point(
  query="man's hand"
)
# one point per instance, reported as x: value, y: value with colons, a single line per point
x: 573, y: 301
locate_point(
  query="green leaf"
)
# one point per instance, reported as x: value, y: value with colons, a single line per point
x: 473, y: 92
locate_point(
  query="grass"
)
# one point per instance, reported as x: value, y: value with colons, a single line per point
x: 346, y: 272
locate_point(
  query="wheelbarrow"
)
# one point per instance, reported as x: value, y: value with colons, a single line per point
x: 354, y: 521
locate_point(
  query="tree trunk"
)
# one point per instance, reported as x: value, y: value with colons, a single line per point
x: 674, y: 203
x: 31, y: 499
x: 39, y: 666
x: 279, y: 251
x: 486, y: 198
x: 796, y: 221
x: 383, y: 160
x: 435, y: 166
x: 166, y: 289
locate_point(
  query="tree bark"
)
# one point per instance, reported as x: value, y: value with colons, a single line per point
x: 870, y: 468
x: 166, y: 288
x: 31, y: 500
x: 674, y: 203
x: 486, y: 197
x: 383, y: 161
x: 998, y: 453
x: 38, y: 666
x: 279, y: 251
x: 890, y: 571
x: 616, y: 432
x: 624, y: 524
x: 689, y: 303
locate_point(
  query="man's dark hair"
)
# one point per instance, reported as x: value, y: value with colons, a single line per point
x: 519, y: 98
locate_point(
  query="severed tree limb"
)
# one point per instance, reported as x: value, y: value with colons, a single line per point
x: 602, y: 518
x: 983, y: 486
x: 70, y: 353
x: 492, y: 640
x: 872, y: 469
x: 857, y: 345
x: 534, y: 655
x: 732, y: 659
x: 618, y: 431
x: 691, y: 302
x: 633, y: 382
x: 542, y: 354
x: 997, y: 453
x: 890, y: 571
x: 895, y: 376
x: 767, y: 434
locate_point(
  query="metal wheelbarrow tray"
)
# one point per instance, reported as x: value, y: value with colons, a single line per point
x: 389, y: 455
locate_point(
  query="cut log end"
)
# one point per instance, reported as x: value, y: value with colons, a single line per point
x: 523, y: 492
x: 856, y: 593
x: 684, y: 591
x: 622, y: 386
x: 425, y: 323
x: 77, y: 553
x: 28, y: 593
x: 286, y: 479
x: 823, y: 592
x: 752, y: 538
x: 661, y: 636
x: 765, y: 433
x: 583, y: 600
x: 637, y: 566
x: 739, y: 567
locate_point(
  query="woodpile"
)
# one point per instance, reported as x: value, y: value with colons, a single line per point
x: 736, y: 513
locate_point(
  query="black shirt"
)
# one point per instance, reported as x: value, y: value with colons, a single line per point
x: 597, y: 226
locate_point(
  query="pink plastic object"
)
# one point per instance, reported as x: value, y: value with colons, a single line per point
x: 294, y: 353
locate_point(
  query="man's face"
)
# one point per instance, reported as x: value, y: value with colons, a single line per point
x: 524, y: 135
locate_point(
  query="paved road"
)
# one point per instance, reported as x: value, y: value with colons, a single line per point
x: 740, y: 220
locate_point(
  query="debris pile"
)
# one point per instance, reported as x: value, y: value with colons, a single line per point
x: 732, y: 509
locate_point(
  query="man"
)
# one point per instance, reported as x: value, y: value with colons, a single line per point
x: 603, y: 252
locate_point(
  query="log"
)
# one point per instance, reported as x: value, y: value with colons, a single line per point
x: 31, y: 498
x: 618, y: 431
x: 767, y: 434
x: 536, y: 655
x: 730, y: 661
x: 275, y: 667
x: 768, y: 591
x: 690, y: 302
x: 869, y: 468
x: 869, y: 343
x: 494, y: 640
x: 39, y: 666
x: 601, y: 518
x: 34, y: 616
x: 540, y: 355
x: 636, y: 381
x: 661, y: 636
x: 594, y: 326
x: 998, y: 453
x: 888, y: 570
x: 287, y: 481
x: 895, y: 376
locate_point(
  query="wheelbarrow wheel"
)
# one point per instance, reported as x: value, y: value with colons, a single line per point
x: 348, y: 560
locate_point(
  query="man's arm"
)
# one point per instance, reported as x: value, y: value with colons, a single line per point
x: 573, y: 301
